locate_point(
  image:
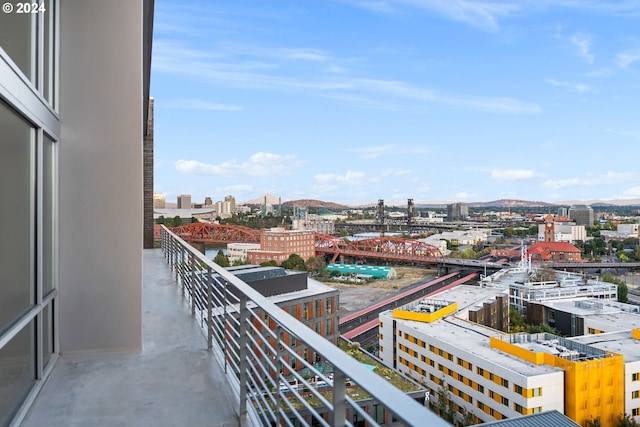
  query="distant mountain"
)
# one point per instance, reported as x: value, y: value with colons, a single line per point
x: 510, y: 203
x: 314, y: 204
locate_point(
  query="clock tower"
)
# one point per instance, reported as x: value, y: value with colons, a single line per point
x: 549, y: 231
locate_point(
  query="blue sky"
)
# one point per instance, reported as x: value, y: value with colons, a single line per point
x: 352, y: 101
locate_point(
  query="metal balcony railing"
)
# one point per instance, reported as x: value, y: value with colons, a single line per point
x: 246, y: 333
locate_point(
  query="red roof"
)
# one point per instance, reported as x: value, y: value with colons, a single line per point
x: 541, y: 247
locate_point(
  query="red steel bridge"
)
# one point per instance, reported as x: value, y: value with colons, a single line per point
x: 387, y: 248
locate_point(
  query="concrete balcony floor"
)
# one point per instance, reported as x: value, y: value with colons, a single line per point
x: 173, y: 381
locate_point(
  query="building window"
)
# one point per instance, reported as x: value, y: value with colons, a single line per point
x: 537, y: 392
x: 635, y: 394
x: 635, y: 376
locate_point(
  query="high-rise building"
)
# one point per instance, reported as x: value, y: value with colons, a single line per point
x: 208, y: 201
x: 582, y: 215
x: 68, y: 137
x: 184, y: 201
x: 562, y: 212
x: 159, y: 201
x: 457, y: 211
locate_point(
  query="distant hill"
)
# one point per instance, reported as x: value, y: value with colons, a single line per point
x: 314, y: 204
x: 511, y: 203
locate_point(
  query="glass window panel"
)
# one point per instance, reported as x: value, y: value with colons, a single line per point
x: 17, y: 39
x: 47, y: 334
x: 16, y: 170
x: 48, y: 217
x: 49, y: 52
x: 17, y: 372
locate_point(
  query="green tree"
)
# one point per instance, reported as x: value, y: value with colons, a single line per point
x: 160, y: 220
x: 314, y: 265
x: 294, y: 262
x: 177, y: 221
x: 623, y: 290
x: 594, y: 422
x: 625, y: 420
x: 444, y: 405
x: 270, y: 263
x: 221, y: 259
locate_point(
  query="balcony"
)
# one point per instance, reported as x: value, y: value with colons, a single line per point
x: 214, y: 354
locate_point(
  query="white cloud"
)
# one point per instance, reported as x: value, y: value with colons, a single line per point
x: 624, y: 59
x: 259, y: 164
x: 510, y: 175
x: 633, y: 192
x: 199, y: 104
x: 239, y: 72
x: 592, y: 180
x: 396, y: 172
x: 578, y: 87
x: 582, y: 43
x: 350, y: 178
x: 385, y: 150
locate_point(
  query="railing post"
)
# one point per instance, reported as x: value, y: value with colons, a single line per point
x: 192, y: 284
x: 209, y: 308
x: 182, y: 271
x: 339, y: 402
x: 243, y: 354
x: 225, y: 348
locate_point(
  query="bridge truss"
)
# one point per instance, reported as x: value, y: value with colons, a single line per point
x: 390, y: 248
x: 217, y: 233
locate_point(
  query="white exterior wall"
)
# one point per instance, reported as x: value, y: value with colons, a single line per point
x: 238, y: 251
x: 552, y: 384
x: 628, y: 230
x: 100, y: 163
x: 630, y: 386
x: 385, y: 351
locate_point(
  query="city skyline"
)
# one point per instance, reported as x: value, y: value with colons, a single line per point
x: 354, y: 101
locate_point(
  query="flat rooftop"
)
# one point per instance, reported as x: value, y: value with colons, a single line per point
x: 474, y: 338
x: 619, y: 342
x: 618, y: 316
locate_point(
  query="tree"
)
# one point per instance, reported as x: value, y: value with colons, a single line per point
x: 444, y: 406
x: 294, y: 262
x: 177, y: 221
x: 594, y: 422
x: 221, y: 259
x: 624, y: 420
x: 270, y: 263
x: 314, y: 265
x: 160, y: 220
x: 623, y: 290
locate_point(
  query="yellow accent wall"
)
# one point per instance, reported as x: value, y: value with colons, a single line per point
x: 592, y: 388
x: 425, y: 317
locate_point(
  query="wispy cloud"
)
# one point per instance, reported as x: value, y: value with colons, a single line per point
x: 350, y: 178
x: 385, y: 150
x: 511, y: 175
x: 395, y: 172
x: 632, y: 134
x: 624, y: 59
x: 592, y: 180
x: 259, y: 164
x: 582, y: 43
x: 241, y: 73
x: 199, y: 104
x: 578, y: 87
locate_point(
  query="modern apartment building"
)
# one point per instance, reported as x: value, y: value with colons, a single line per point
x: 496, y: 376
x: 72, y: 117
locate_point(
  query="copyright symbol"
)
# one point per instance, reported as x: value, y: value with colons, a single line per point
x: 7, y: 8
